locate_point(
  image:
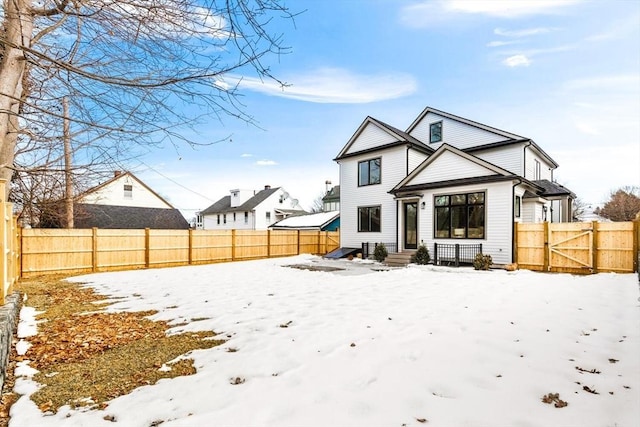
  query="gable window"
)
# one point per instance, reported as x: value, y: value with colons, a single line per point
x: 369, y: 172
x: 517, y: 207
x: 128, y: 191
x: 246, y: 217
x: 459, y: 216
x: 268, y: 216
x: 536, y: 169
x: 369, y: 218
x: 435, y: 132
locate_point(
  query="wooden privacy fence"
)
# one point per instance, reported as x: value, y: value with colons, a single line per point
x: 578, y: 247
x: 71, y: 251
x: 9, y: 261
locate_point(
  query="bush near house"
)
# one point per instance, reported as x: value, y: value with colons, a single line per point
x: 421, y: 256
x: 380, y: 252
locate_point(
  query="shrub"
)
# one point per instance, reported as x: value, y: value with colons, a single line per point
x: 421, y: 256
x: 482, y: 262
x: 380, y: 252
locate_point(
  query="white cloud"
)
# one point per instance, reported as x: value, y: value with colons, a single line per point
x: 500, y: 43
x: 333, y: 85
x: 427, y: 13
x: 623, y: 82
x: 246, y: 155
x: 517, y: 61
x: 266, y: 162
x: 524, y: 32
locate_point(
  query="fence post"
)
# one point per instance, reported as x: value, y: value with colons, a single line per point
x: 147, y: 249
x: 298, y: 234
x: 190, y: 255
x: 268, y: 243
x: 94, y: 249
x: 233, y: 244
x: 457, y: 255
x: 514, y: 255
x: 545, y: 262
x: 594, y: 247
x: 435, y: 253
x: 636, y: 244
x: 319, y: 234
x: 3, y: 246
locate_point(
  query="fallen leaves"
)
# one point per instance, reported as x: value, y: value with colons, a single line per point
x: 555, y: 399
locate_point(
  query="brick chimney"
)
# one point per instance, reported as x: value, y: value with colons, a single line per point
x: 117, y: 173
x: 267, y: 187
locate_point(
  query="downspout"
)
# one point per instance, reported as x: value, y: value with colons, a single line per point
x: 524, y: 158
x: 513, y: 220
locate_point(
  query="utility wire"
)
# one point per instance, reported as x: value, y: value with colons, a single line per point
x: 177, y: 183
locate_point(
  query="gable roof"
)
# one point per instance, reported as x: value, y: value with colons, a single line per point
x: 400, y: 137
x: 332, y: 195
x: 224, y: 204
x: 444, y: 148
x: 117, y: 177
x: 88, y: 215
x: 478, y: 125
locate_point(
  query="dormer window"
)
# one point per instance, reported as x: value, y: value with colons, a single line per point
x: 435, y: 132
x: 128, y: 191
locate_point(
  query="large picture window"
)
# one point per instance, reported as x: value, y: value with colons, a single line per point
x: 369, y: 172
x: 460, y: 216
x: 369, y: 218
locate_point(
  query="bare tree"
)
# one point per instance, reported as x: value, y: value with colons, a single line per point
x: 137, y: 73
x: 318, y: 205
x: 579, y: 208
x: 624, y: 205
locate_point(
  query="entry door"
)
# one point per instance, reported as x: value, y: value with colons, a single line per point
x: 411, y: 225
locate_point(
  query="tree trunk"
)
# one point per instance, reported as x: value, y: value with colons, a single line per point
x: 18, y: 26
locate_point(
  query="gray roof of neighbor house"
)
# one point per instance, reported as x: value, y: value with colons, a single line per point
x: 224, y: 204
x: 332, y: 195
x: 130, y: 217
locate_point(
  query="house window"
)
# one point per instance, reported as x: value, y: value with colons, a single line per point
x: 224, y: 218
x: 369, y: 218
x: 128, y: 191
x: 268, y: 216
x: 517, y: 207
x: 234, y: 217
x: 246, y: 217
x: 536, y: 170
x: 218, y: 219
x: 369, y: 172
x: 435, y: 132
x: 460, y: 216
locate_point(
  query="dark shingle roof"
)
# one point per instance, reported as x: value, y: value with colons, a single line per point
x: 224, y: 204
x: 553, y: 188
x: 332, y: 195
x: 130, y: 217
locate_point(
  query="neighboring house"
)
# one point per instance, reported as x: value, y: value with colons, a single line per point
x: 446, y: 179
x: 331, y: 200
x: 322, y: 221
x: 249, y: 210
x: 125, y: 202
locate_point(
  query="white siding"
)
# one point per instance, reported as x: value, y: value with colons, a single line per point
x: 371, y: 136
x: 509, y: 157
x: 449, y: 166
x: 457, y: 134
x: 415, y: 158
x: 113, y: 194
x: 393, y: 166
x: 498, y: 220
x: 530, y: 160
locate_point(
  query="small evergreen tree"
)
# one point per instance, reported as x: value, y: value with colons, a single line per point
x: 421, y: 256
x: 380, y: 252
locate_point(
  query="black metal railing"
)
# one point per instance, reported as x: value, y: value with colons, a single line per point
x: 455, y: 254
x: 369, y: 247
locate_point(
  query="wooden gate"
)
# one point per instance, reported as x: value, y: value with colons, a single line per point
x: 577, y: 247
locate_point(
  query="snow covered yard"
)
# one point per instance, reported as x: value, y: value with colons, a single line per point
x: 360, y: 347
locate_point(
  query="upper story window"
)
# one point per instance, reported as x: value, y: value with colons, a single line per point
x: 460, y: 216
x: 268, y: 216
x: 517, y: 207
x: 224, y: 218
x: 369, y: 172
x: 435, y: 132
x: 218, y: 219
x: 128, y: 191
x: 536, y: 169
x: 246, y: 217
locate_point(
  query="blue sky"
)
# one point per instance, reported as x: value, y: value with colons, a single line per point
x: 563, y: 73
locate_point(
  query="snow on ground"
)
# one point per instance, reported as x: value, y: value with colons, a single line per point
x: 361, y: 347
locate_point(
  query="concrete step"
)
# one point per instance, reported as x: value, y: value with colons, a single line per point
x: 399, y: 259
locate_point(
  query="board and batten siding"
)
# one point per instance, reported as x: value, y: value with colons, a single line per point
x: 509, y: 157
x: 498, y: 220
x: 455, y: 133
x: 371, y: 136
x: 393, y: 167
x: 448, y: 166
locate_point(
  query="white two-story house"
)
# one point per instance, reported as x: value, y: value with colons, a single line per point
x: 445, y: 180
x: 249, y: 210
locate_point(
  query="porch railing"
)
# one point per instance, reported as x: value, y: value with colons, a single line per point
x: 455, y: 253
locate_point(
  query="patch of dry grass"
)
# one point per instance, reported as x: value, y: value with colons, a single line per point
x: 87, y: 356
